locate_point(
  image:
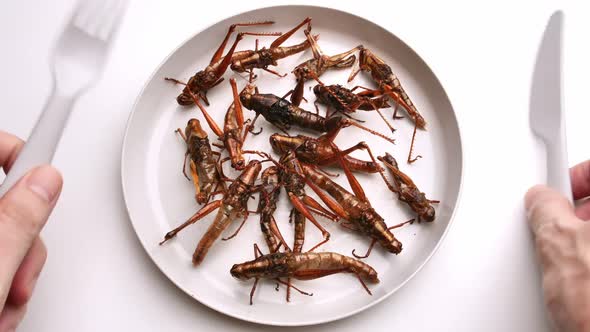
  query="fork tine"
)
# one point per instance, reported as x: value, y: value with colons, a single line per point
x: 112, y: 26
x: 82, y: 13
x: 99, y: 15
x: 110, y: 10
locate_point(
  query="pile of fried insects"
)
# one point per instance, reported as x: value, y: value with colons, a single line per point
x: 301, y: 158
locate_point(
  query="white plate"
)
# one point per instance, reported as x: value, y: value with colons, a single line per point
x: 158, y: 197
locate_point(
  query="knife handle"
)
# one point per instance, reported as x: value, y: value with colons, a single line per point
x: 558, y: 174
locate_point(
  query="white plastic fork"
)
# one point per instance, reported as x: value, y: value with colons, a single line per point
x: 77, y: 61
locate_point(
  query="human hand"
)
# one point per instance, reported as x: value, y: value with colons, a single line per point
x: 24, y: 209
x: 562, y: 239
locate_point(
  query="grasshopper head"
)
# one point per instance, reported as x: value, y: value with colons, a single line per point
x: 246, y: 95
x: 193, y: 127
x: 282, y: 143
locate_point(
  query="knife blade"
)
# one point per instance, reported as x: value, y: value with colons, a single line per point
x: 546, y: 117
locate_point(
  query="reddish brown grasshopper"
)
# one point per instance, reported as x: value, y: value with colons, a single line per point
x: 322, y: 151
x: 270, y: 190
x: 288, y: 173
x: 233, y: 134
x: 202, y: 161
x: 303, y: 205
x: 389, y: 84
x: 291, y: 178
x: 302, y: 266
x: 407, y: 191
x: 315, y: 67
x: 233, y: 205
x: 355, y: 208
x: 211, y: 75
x: 265, y: 57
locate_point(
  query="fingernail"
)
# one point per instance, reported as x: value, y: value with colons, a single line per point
x: 45, y: 181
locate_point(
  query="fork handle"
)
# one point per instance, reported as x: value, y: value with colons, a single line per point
x: 42, y: 143
x: 558, y: 176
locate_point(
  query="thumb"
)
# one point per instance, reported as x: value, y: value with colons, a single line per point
x: 24, y: 209
x: 547, y: 207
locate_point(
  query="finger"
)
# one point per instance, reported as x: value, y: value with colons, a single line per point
x: 10, y: 146
x: 11, y: 316
x: 580, y: 178
x: 583, y: 211
x: 23, y: 212
x: 545, y: 206
x: 27, y: 274
x: 554, y: 225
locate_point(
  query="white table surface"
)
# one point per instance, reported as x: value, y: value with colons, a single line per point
x: 483, y: 277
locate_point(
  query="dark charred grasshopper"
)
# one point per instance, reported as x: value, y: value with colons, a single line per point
x: 343, y: 100
x: 265, y: 57
x: 315, y: 67
x: 302, y: 266
x: 211, y: 76
x: 233, y: 134
x: 233, y: 205
x: 203, y: 163
x: 355, y: 208
x: 407, y: 191
x: 282, y: 114
x: 389, y: 84
x: 322, y: 151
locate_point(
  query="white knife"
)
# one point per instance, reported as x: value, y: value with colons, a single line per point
x: 546, y: 117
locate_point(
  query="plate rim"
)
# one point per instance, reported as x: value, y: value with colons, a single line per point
x: 335, y: 317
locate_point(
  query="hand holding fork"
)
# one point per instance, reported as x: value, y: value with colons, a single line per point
x: 77, y: 61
